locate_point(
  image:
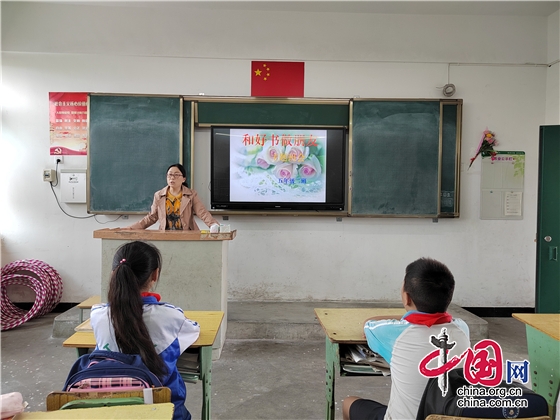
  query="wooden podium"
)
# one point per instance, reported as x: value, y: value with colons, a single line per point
x: 194, y: 272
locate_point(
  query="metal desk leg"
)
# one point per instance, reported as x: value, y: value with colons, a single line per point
x: 333, y: 362
x: 82, y: 351
x: 206, y: 378
x: 544, y: 358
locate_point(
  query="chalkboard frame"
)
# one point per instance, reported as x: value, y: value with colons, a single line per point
x: 451, y: 147
x: 187, y: 129
x: 190, y: 117
x: 319, y: 118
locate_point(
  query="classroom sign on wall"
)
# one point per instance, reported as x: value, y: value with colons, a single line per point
x: 68, y: 113
x: 501, y: 195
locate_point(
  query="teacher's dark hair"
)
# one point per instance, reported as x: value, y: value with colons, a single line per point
x: 133, y: 265
x: 182, y: 169
x: 429, y: 284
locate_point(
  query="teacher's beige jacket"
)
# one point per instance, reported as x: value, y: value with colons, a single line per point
x: 190, y: 205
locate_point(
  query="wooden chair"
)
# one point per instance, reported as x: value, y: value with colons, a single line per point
x: 57, y: 399
x: 442, y: 417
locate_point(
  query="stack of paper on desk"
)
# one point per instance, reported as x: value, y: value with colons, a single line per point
x: 359, y: 359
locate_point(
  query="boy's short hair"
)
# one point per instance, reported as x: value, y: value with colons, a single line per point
x: 429, y: 284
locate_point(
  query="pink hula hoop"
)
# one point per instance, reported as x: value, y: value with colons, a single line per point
x: 40, y: 277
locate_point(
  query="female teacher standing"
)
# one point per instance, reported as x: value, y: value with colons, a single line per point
x: 174, y: 206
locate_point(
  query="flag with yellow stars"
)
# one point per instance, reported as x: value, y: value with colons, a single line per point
x: 277, y: 78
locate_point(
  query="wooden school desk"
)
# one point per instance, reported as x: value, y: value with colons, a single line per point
x: 163, y: 411
x: 543, y: 345
x: 209, y: 321
x: 345, y: 326
x: 87, y: 304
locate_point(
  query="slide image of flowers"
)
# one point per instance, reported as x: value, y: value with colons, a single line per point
x: 277, y: 165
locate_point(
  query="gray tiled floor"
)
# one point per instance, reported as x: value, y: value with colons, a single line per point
x: 253, y: 379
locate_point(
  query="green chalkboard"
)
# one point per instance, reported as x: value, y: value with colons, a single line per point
x: 188, y: 140
x: 132, y: 141
x: 404, y: 153
x: 451, y: 113
x: 395, y: 158
x: 326, y: 114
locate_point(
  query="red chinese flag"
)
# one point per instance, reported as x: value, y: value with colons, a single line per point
x: 277, y: 78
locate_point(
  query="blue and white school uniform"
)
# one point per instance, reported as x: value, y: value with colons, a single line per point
x: 171, y: 332
x: 403, y: 344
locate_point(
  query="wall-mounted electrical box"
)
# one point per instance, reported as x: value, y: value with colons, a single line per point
x: 73, y: 185
x: 49, y: 175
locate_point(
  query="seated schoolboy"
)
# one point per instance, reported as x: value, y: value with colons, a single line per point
x: 426, y: 293
x: 135, y: 322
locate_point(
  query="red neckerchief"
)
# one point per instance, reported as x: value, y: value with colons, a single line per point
x: 421, y: 318
x: 146, y: 294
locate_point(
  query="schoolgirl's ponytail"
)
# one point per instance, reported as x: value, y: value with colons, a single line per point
x: 133, y: 266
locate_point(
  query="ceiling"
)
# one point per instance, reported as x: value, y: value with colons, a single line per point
x: 460, y: 7
x: 516, y: 8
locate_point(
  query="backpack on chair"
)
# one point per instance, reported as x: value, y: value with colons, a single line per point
x: 110, y: 371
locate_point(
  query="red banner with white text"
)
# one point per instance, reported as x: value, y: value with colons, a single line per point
x: 68, y: 115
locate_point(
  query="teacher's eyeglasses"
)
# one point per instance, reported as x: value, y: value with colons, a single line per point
x: 174, y: 175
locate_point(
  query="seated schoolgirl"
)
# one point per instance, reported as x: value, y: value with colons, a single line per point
x: 134, y: 321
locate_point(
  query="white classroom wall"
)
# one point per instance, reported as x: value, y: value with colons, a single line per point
x: 186, y: 48
x: 553, y: 72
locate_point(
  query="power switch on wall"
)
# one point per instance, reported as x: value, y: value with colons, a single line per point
x: 49, y: 175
